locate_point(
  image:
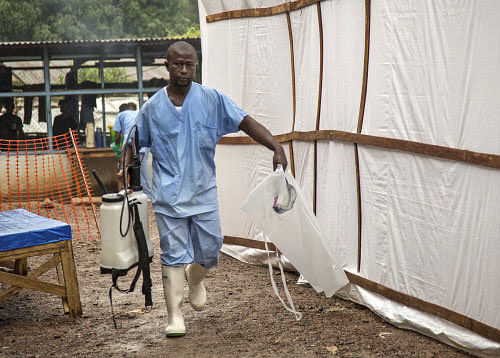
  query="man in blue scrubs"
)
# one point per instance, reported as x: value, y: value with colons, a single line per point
x: 181, y: 124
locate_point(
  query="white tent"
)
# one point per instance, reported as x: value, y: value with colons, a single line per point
x: 390, y: 114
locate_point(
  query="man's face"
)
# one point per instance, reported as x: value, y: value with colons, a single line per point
x: 181, y: 65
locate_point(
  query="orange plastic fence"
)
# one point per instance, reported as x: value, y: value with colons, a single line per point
x: 46, y: 176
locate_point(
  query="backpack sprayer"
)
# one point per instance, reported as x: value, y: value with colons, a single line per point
x: 121, y: 248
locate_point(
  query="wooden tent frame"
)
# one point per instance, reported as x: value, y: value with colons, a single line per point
x: 455, y: 154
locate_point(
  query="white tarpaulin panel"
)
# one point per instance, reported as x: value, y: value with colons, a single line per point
x: 255, y: 68
x: 433, y: 74
x: 305, y: 32
x: 216, y: 6
x: 430, y: 226
x: 336, y: 202
x: 343, y: 42
x: 431, y: 230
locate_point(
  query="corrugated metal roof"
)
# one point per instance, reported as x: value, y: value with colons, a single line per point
x: 91, y: 42
x: 92, y: 48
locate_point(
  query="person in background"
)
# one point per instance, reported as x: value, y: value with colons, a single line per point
x: 182, y: 124
x: 71, y: 82
x: 11, y: 126
x: 123, y: 124
x: 89, y: 102
x: 63, y: 122
x: 116, y: 144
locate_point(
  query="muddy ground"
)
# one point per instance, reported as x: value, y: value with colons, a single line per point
x: 243, y: 318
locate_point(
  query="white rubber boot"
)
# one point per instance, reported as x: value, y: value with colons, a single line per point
x: 197, y: 294
x: 173, y: 288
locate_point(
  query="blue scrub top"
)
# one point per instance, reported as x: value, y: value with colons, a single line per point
x: 124, y: 122
x: 183, y: 147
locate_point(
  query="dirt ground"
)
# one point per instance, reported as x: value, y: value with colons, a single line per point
x: 243, y: 318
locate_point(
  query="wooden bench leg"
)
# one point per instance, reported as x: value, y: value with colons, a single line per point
x: 60, y: 277
x: 21, y: 266
x: 71, y: 280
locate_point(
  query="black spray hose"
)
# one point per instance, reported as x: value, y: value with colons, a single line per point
x: 125, y: 178
x: 99, y: 181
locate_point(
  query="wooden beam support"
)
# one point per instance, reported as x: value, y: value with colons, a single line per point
x: 68, y: 287
x: 431, y: 150
x: 262, y: 11
x: 26, y: 282
x: 294, y: 96
x: 318, y: 108
x: 361, y: 116
x: 33, y: 251
x: 253, y: 244
x: 40, y: 270
x: 71, y: 281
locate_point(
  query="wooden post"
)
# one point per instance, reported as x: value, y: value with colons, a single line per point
x: 69, y: 272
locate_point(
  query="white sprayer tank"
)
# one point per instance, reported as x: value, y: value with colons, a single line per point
x: 118, y: 252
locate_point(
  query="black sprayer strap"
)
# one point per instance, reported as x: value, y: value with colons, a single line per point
x: 114, y: 277
x: 143, y: 258
x: 111, y: 303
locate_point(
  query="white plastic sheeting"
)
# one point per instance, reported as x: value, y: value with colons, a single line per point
x: 295, y: 230
x: 409, y: 318
x: 430, y: 226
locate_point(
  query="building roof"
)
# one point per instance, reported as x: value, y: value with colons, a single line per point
x: 109, y: 49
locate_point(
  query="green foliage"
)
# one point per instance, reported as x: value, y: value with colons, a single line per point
x: 111, y: 75
x: 114, y: 75
x: 44, y: 20
x: 192, y: 32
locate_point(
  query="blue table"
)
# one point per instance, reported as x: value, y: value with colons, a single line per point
x: 21, y: 228
x: 24, y: 234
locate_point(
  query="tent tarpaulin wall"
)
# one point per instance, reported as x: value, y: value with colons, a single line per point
x: 390, y: 115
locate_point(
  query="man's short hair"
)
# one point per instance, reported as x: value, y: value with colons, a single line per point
x: 131, y: 106
x: 9, y: 103
x: 181, y: 45
x: 122, y: 107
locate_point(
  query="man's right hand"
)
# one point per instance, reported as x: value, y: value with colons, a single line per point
x: 279, y: 157
x: 127, y: 157
x: 119, y: 175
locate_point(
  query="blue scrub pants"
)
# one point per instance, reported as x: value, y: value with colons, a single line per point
x: 191, y: 239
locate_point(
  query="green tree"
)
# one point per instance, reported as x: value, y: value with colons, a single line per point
x: 45, y: 20
x: 17, y: 20
x: 111, y: 75
x: 190, y: 10
x: 114, y: 75
x: 192, y: 32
